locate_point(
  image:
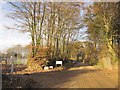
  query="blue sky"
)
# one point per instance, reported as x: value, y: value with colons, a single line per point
x: 9, y: 38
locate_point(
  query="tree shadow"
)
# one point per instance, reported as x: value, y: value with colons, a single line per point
x: 53, y: 79
x: 60, y: 77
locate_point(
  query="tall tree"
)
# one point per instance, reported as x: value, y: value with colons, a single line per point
x: 51, y: 25
x: 101, y: 17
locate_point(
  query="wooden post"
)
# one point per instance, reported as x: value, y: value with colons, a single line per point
x: 6, y: 61
x: 0, y: 76
x: 12, y: 67
x: 16, y: 57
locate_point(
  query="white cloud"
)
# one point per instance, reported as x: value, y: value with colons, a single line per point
x: 9, y: 38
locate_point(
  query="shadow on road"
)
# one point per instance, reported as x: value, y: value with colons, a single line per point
x: 55, y: 79
x: 52, y: 79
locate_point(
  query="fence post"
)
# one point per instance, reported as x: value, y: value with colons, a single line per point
x: 12, y: 67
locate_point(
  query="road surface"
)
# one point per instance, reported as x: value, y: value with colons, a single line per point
x: 80, y: 76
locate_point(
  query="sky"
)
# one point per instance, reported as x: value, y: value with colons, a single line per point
x: 8, y: 38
